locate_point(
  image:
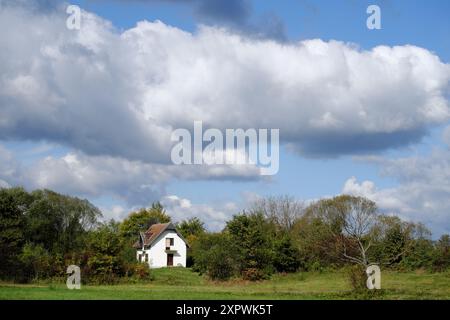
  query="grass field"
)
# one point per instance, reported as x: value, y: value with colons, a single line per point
x: 178, y: 283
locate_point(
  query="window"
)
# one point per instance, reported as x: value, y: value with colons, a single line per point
x: 146, y: 257
x: 169, y: 242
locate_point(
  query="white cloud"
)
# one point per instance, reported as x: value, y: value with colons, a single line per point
x: 446, y: 136
x: 133, y: 182
x: 423, y: 192
x: 214, y: 216
x: 115, y: 212
x: 114, y: 97
x: 115, y: 93
x: 9, y: 168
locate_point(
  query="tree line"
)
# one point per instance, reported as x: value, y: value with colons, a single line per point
x: 42, y: 232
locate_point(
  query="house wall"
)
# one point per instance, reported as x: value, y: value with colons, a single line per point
x: 157, y: 253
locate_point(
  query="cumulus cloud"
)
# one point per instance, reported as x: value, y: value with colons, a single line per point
x: 423, y: 191
x: 113, y: 97
x: 214, y: 216
x: 121, y: 94
x: 179, y: 208
x: 446, y: 136
x: 134, y: 182
x: 9, y: 168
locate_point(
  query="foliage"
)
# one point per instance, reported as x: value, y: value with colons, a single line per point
x: 36, y: 261
x: 357, y: 277
x: 42, y: 232
x: 104, y: 264
x: 191, y: 227
x: 13, y: 203
x: 286, y: 256
x: 191, y: 230
x: 59, y: 222
x: 141, y: 220
x: 253, y: 236
x: 316, y: 246
x: 216, y: 255
x: 220, y: 265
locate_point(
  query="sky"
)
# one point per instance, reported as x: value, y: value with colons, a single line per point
x: 90, y: 112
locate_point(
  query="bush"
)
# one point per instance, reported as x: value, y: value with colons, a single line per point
x: 441, y: 261
x: 254, y: 274
x: 253, y: 237
x: 141, y: 271
x: 220, y: 266
x: 357, y: 278
x: 36, y: 262
x: 286, y: 257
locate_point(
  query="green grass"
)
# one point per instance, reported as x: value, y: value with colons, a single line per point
x: 179, y: 283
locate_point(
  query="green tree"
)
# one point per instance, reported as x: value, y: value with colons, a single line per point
x: 36, y: 262
x: 191, y: 227
x: 141, y: 220
x: 191, y: 230
x: 351, y: 221
x: 442, y: 259
x: 393, y: 239
x: 104, y: 248
x: 316, y: 245
x: 216, y: 255
x: 286, y: 256
x: 254, y: 236
x: 59, y: 222
x: 13, y: 204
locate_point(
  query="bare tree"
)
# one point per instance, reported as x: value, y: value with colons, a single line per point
x: 351, y: 220
x: 282, y: 210
x: 358, y: 224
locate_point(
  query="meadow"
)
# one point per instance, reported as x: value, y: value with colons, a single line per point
x: 179, y: 283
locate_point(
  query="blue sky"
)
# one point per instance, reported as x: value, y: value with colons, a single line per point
x: 386, y: 173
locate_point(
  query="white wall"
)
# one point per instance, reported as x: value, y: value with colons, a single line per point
x: 157, y: 252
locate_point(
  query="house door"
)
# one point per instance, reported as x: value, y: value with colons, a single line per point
x: 169, y: 259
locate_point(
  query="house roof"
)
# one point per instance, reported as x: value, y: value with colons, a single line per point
x: 148, y: 237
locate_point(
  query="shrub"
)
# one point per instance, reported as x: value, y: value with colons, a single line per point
x: 36, y: 261
x: 220, y: 266
x: 141, y: 271
x: 286, y: 257
x: 357, y: 277
x: 254, y: 274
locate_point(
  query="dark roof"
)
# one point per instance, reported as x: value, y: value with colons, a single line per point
x: 149, y: 236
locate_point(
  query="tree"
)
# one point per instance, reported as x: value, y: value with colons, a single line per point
x: 13, y: 204
x: 59, y: 222
x: 286, y: 257
x: 216, y: 255
x: 393, y: 239
x: 36, y: 261
x: 282, y: 210
x: 442, y: 259
x: 351, y: 220
x: 141, y: 220
x: 104, y: 247
x: 254, y: 236
x: 191, y: 228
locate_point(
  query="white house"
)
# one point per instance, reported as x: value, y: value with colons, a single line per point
x: 162, y: 246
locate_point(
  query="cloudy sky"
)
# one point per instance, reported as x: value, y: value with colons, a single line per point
x: 90, y: 112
